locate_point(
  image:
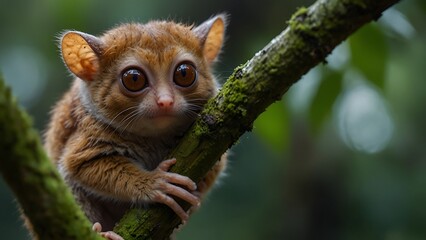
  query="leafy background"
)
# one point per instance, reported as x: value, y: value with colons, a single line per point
x: 342, y: 156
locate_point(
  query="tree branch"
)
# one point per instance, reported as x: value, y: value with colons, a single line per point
x: 311, y: 35
x: 43, y: 196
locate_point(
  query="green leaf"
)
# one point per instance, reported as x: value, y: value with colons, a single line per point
x: 322, y: 103
x: 272, y: 126
x: 369, y: 52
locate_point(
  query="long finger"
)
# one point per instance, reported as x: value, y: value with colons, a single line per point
x: 182, y: 194
x: 180, y: 180
x: 167, y: 164
x: 110, y: 235
x: 171, y: 203
x: 97, y: 227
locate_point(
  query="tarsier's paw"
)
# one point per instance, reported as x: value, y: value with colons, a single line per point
x: 173, y: 184
x: 110, y: 235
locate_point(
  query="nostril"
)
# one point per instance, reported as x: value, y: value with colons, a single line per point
x: 165, y: 101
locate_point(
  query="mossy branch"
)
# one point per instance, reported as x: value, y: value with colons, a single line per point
x: 311, y: 35
x: 43, y: 196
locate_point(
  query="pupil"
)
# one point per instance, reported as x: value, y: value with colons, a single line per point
x: 135, y: 77
x: 183, y: 71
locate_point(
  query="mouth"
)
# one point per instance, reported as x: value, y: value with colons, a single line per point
x: 162, y: 115
x: 162, y: 119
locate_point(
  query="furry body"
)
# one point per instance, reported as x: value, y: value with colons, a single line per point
x: 110, y: 143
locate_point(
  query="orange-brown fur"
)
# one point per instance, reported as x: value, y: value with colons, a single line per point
x: 109, y: 158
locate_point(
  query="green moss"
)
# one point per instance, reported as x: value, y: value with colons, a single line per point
x: 295, y: 22
x: 234, y: 94
x: 300, y: 11
x: 199, y: 128
x: 25, y: 163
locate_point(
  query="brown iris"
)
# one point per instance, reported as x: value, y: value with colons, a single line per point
x: 185, y: 75
x: 134, y: 80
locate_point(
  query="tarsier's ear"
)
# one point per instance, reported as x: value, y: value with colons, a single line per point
x: 81, y: 52
x: 211, y: 34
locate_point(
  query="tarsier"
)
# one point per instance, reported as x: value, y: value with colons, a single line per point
x: 138, y: 87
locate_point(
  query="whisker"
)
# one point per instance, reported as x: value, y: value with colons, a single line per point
x: 128, y: 120
x: 192, y: 110
x: 135, y: 119
x: 115, y: 128
x: 118, y: 114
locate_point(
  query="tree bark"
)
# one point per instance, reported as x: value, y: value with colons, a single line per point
x: 43, y: 196
x: 311, y: 35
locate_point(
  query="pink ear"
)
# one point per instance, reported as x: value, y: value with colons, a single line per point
x: 211, y: 34
x: 80, y: 52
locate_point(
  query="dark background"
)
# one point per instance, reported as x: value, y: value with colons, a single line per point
x: 341, y: 157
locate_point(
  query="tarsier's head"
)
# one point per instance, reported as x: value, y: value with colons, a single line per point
x: 149, y: 78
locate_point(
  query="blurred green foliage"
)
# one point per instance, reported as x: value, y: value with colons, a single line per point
x: 341, y: 157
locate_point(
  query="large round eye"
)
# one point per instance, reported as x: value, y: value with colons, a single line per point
x: 185, y: 75
x: 133, y: 80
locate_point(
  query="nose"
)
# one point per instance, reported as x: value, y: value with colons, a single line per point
x: 165, y: 101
